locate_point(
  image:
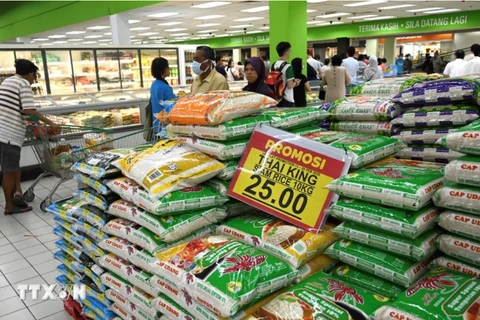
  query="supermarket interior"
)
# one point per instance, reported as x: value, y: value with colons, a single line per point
x: 269, y: 160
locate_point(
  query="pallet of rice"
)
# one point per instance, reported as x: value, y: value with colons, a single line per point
x: 466, y: 139
x: 463, y: 224
x: 381, y: 128
x: 428, y: 153
x: 455, y: 265
x: 458, y: 197
x: 420, y: 136
x: 401, y: 187
x: 221, y: 150
x: 464, y: 170
x: 460, y: 247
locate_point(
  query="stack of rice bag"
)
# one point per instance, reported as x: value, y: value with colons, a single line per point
x: 461, y: 197
x: 389, y: 87
x: 438, y: 108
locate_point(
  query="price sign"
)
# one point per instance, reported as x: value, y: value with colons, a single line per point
x: 285, y: 175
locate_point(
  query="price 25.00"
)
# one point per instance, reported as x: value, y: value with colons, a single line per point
x: 269, y: 191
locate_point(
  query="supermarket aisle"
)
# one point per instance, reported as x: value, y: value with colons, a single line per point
x: 26, y: 257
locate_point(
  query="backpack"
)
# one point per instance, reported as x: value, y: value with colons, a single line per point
x: 274, y: 81
x: 311, y: 72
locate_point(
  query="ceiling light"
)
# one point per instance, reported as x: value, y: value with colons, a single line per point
x: 133, y: 21
x: 249, y: 19
x: 92, y: 37
x: 57, y: 36
x: 235, y: 31
x: 207, y: 31
x: 98, y: 27
x: 75, y: 32
x: 147, y: 33
x: 47, y: 44
x: 362, y: 17
x: 314, y: 22
x: 76, y: 40
x: 104, y: 40
x: 442, y: 11
x: 249, y: 32
x: 107, y: 34
x: 103, y: 44
x: 173, y: 23
x: 208, y: 5
x: 178, y: 34
x: 182, y: 38
x: 316, y: 1
x: 325, y: 23
x: 40, y: 39
x: 333, y: 15
x: 425, y: 9
x: 242, y: 26
x: 89, y: 42
x: 257, y: 9
x: 206, y: 25
x: 264, y: 28
x: 210, y: 17
x: 59, y: 42
x: 157, y: 37
x: 175, y: 29
x: 163, y: 15
x: 381, y: 18
x: 397, y: 7
x: 311, y: 10
x: 363, y: 3
x: 140, y: 28
x: 222, y: 35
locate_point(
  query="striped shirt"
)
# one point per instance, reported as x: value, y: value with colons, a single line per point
x: 15, y: 95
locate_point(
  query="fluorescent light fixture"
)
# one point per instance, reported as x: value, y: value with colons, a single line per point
x: 104, y: 40
x: 257, y: 9
x: 334, y: 15
x: 76, y: 40
x: 311, y: 10
x: 362, y: 17
x: 89, y: 42
x: 179, y: 34
x: 173, y: 23
x: 182, y: 38
x: 147, y: 33
x: 59, y: 42
x: 206, y: 25
x: 207, y: 31
x: 92, y: 37
x: 157, y: 37
x: 195, y: 38
x: 221, y: 35
x: 425, y: 9
x: 264, y: 28
x: 235, y: 31
x: 103, y: 44
x: 163, y: 15
x: 210, y: 17
x: 140, y: 28
x: 76, y: 32
x: 316, y: 1
x: 57, y: 36
x: 315, y: 22
x: 397, y: 7
x: 250, y: 32
x: 47, y: 44
x: 242, y: 26
x: 328, y: 23
x: 107, y: 34
x: 40, y: 39
x: 208, y: 5
x: 381, y: 18
x: 442, y: 11
x: 133, y: 21
x: 363, y: 3
x: 98, y: 27
x: 131, y: 37
x: 249, y: 19
x: 175, y: 29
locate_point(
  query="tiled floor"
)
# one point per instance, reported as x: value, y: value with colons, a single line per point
x: 26, y: 256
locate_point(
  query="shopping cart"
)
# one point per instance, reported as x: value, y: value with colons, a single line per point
x: 55, y: 153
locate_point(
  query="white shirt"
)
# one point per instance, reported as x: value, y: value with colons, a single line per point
x: 352, y: 67
x: 324, y: 69
x: 472, y: 67
x: 469, y: 56
x: 455, y: 68
x: 315, y: 64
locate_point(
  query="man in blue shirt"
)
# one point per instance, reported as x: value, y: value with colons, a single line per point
x: 399, y: 63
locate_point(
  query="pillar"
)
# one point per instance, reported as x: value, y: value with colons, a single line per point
x: 24, y: 40
x: 372, y: 47
x: 389, y: 50
x: 288, y: 22
x: 342, y: 45
x: 237, y: 55
x: 120, y: 29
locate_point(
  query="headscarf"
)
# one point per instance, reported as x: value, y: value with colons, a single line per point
x: 259, y: 67
x: 372, y: 72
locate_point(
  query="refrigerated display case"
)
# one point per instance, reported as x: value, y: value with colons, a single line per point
x: 84, y: 70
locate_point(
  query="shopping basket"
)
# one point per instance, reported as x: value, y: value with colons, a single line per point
x: 55, y: 153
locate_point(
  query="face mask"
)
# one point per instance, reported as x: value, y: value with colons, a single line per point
x: 196, y: 67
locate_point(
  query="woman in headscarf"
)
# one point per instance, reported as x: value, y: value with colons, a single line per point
x: 373, y: 71
x: 255, y: 74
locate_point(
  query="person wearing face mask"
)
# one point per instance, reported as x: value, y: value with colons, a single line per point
x: 208, y: 79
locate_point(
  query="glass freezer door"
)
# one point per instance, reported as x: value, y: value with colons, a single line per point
x: 147, y: 58
x: 60, y: 71
x: 130, y: 69
x: 172, y: 56
x: 84, y: 71
x: 109, y: 69
x: 7, y: 64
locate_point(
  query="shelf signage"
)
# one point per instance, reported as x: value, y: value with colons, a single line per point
x: 419, y: 23
x: 285, y: 175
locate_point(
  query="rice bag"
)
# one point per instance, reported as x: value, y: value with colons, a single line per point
x: 401, y: 222
x: 93, y: 215
x: 68, y: 260
x: 96, y: 279
x: 465, y: 170
x: 455, y: 265
x: 219, y: 185
x: 223, y: 274
x: 168, y: 228
x: 358, y: 278
x: 67, y: 272
x: 69, y: 249
x: 235, y: 208
x: 118, y: 227
x: 292, y: 118
x: 362, y: 109
x: 460, y: 247
x: 458, y: 197
x: 117, y: 265
x: 118, y: 246
x: 428, y: 153
x: 95, y: 199
x: 96, y: 185
x: 94, y: 233
x: 419, y: 249
x: 281, y: 239
x: 99, y: 165
x: 229, y: 171
x: 123, y: 186
x: 437, y: 116
x: 127, y: 311
x: 141, y: 279
x: 169, y: 166
x: 441, y: 295
x: 466, y: 139
x: 391, y: 161
x: 70, y: 237
x: 220, y: 150
x: 236, y: 129
x: 423, y: 135
x: 397, y: 186
x: 313, y: 266
x: 460, y: 223
x: 171, y: 309
x: 381, y: 128
x: 66, y: 209
x: 399, y: 270
x: 216, y: 107
x: 102, y: 311
x: 387, y: 87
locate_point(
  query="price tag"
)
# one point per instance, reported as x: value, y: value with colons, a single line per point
x: 285, y: 175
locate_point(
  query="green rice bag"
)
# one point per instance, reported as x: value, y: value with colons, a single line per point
x: 460, y: 247
x: 291, y: 118
x: 221, y: 150
x: 363, y: 109
x: 399, y: 270
x: 464, y: 170
x: 382, y: 128
x: 402, y: 187
x: 419, y: 249
x: 465, y: 140
x: 221, y: 186
x: 229, y: 171
x: 463, y: 224
x: 458, y: 197
x: 440, y: 295
x: 306, y: 130
x: 455, y: 265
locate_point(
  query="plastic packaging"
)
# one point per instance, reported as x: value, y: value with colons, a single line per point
x: 459, y: 198
x: 422, y: 136
x: 460, y: 223
x: 428, y: 153
x: 466, y: 139
x: 382, y: 128
x: 437, y: 116
x: 369, y: 108
x: 464, y: 170
x: 227, y: 150
x: 460, y: 247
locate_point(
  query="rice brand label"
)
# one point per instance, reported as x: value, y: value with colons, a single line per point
x: 459, y: 247
x: 286, y: 175
x: 456, y: 265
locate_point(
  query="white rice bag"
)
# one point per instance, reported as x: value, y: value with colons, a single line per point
x: 460, y: 247
x: 464, y: 170
x: 465, y: 139
x: 455, y: 265
x: 227, y: 150
x: 460, y: 223
x: 423, y: 136
x: 459, y: 198
x: 427, y: 153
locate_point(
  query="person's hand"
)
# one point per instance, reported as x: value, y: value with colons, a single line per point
x: 55, y: 128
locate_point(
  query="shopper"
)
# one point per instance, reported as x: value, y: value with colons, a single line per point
x: 325, y: 67
x: 351, y: 64
x: 240, y: 70
x: 471, y: 55
x: 208, y: 79
x: 314, y: 71
x: 455, y: 67
x: 255, y: 73
x: 336, y: 79
x: 231, y: 71
x: 288, y: 77
x: 220, y: 67
x: 384, y: 65
x: 361, y: 64
x: 437, y: 62
x: 16, y: 102
x: 373, y: 71
x: 473, y: 66
x: 300, y: 91
x: 400, y: 64
x: 427, y: 65
x: 407, y: 64
x: 160, y: 90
